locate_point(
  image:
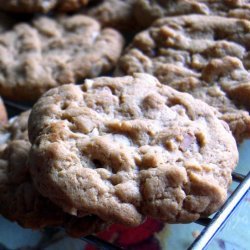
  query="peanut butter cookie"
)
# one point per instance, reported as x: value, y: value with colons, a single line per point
x: 206, y: 56
x: 41, y: 6
x: 147, y: 11
x: 125, y: 148
x: 49, y: 52
x: 115, y: 13
x: 20, y: 201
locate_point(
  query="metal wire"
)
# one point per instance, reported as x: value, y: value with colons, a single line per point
x: 238, y: 177
x: 204, y: 221
x: 211, y: 226
x: 101, y: 244
x: 222, y: 215
x: 18, y: 107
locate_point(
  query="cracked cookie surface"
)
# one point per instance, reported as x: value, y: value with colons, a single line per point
x: 206, y: 56
x: 19, y: 200
x: 50, y: 52
x: 129, y: 147
x: 147, y: 11
x: 43, y: 6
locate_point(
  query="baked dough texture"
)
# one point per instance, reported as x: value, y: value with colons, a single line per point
x: 129, y: 147
x: 147, y: 11
x: 115, y: 13
x: 206, y: 56
x: 45, y: 53
x: 41, y: 6
x: 19, y: 200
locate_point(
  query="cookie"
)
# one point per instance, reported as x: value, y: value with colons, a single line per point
x: 199, y: 54
x: 115, y: 13
x: 3, y: 113
x: 19, y: 200
x: 125, y: 148
x: 41, y: 6
x: 27, y: 6
x: 18, y: 126
x: 49, y: 52
x: 147, y: 11
x: 70, y: 5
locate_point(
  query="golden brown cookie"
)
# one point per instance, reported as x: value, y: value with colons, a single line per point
x: 115, y: 13
x: 129, y: 147
x: 42, y: 6
x: 147, y: 11
x: 45, y: 53
x: 70, y: 5
x: 20, y: 201
x: 206, y: 56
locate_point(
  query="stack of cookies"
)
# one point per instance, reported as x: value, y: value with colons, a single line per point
x: 117, y: 134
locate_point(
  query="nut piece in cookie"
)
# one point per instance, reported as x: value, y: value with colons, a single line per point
x: 20, y: 201
x: 147, y: 11
x: 207, y: 56
x: 129, y: 147
x: 49, y: 52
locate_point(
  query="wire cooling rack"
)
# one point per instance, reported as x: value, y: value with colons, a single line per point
x: 211, y: 225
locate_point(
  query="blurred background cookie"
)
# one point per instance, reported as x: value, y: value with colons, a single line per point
x: 147, y: 11
x: 70, y: 5
x: 206, y: 56
x: 115, y: 13
x: 48, y: 52
x: 41, y: 6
